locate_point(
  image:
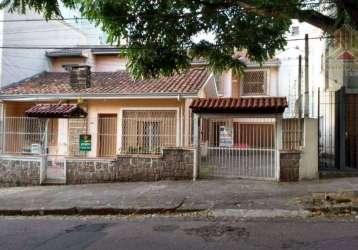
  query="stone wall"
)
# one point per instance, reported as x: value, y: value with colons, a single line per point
x: 290, y: 166
x: 19, y: 171
x: 173, y: 164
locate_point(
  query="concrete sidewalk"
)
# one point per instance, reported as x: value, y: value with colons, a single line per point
x: 144, y: 197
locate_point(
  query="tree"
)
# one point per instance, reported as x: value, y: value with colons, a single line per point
x: 160, y: 32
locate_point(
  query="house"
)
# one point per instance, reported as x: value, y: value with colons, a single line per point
x: 87, y: 116
x: 338, y: 103
x: 123, y: 116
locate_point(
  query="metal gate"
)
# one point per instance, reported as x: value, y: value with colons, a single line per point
x: 238, y: 148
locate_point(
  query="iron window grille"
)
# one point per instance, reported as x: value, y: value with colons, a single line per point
x: 254, y: 83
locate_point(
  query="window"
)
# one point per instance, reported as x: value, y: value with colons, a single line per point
x: 107, y: 135
x: 219, y: 84
x: 151, y: 134
x: 295, y: 31
x: 254, y: 83
x: 52, y: 132
x: 146, y: 132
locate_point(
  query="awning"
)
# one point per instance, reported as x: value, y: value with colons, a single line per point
x: 56, y: 111
x: 249, y: 105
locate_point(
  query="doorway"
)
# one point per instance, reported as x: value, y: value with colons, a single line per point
x: 107, y: 135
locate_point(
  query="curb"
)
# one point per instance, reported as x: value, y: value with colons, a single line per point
x: 97, y: 211
x: 260, y: 213
x: 93, y: 211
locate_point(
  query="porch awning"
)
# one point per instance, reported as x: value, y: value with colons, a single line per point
x: 249, y: 105
x: 56, y: 111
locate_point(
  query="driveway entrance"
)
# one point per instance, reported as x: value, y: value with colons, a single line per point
x: 238, y: 137
x: 238, y: 147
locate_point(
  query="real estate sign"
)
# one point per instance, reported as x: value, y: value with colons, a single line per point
x: 225, y: 137
x: 85, y: 143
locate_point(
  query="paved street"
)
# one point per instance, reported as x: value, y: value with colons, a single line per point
x: 175, y: 233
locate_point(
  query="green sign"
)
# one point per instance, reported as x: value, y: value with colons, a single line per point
x: 85, y: 143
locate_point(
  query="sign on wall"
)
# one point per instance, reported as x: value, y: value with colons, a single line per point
x: 225, y: 136
x: 85, y: 143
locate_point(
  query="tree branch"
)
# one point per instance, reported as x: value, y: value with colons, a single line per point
x: 351, y: 7
x: 315, y: 18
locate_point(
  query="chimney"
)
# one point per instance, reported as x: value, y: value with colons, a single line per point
x: 80, y: 76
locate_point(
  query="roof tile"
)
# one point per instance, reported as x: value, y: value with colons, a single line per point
x: 119, y: 82
x: 240, y: 105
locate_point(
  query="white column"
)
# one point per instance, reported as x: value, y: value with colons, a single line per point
x: 62, y: 137
x: 309, y: 156
x: 196, y: 164
x: 278, y: 145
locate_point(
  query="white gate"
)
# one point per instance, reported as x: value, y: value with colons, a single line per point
x: 238, y: 148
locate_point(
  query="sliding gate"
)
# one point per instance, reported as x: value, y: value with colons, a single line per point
x: 238, y: 147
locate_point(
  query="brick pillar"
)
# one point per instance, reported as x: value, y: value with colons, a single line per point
x: 289, y: 166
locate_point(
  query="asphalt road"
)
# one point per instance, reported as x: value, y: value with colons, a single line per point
x: 175, y: 233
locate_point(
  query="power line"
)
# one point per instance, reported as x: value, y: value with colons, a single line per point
x: 17, y: 46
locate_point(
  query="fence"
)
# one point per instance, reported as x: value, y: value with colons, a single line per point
x: 327, y: 129
x: 135, y: 133
x: 239, y: 147
x: 25, y: 135
x: 292, y: 133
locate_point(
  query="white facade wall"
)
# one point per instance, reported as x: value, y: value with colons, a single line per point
x: 18, y: 64
x: 288, y: 70
x: 283, y: 79
x: 230, y: 91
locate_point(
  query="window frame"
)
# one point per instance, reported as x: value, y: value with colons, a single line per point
x: 179, y: 124
x: 265, y: 84
x: 295, y: 30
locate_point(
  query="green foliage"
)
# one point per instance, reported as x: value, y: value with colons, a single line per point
x: 50, y: 8
x: 160, y: 32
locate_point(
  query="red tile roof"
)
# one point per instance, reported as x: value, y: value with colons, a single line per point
x: 346, y: 56
x: 119, y: 82
x: 240, y: 105
x: 56, y: 111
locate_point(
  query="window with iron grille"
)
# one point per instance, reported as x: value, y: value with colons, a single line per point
x: 147, y: 131
x: 254, y: 83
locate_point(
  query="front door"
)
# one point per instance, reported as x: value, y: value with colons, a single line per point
x: 107, y: 135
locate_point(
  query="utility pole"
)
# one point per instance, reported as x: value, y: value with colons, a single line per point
x: 306, y: 76
x: 299, y: 87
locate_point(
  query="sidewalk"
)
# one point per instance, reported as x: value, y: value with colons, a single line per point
x: 144, y: 197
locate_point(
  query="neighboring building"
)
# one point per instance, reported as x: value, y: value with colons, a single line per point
x: 17, y: 64
x: 289, y: 67
x: 279, y: 76
x: 99, y: 58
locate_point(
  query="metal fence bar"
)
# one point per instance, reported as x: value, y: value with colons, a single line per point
x: 327, y: 129
x: 250, y: 154
x: 292, y: 131
x: 143, y: 132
